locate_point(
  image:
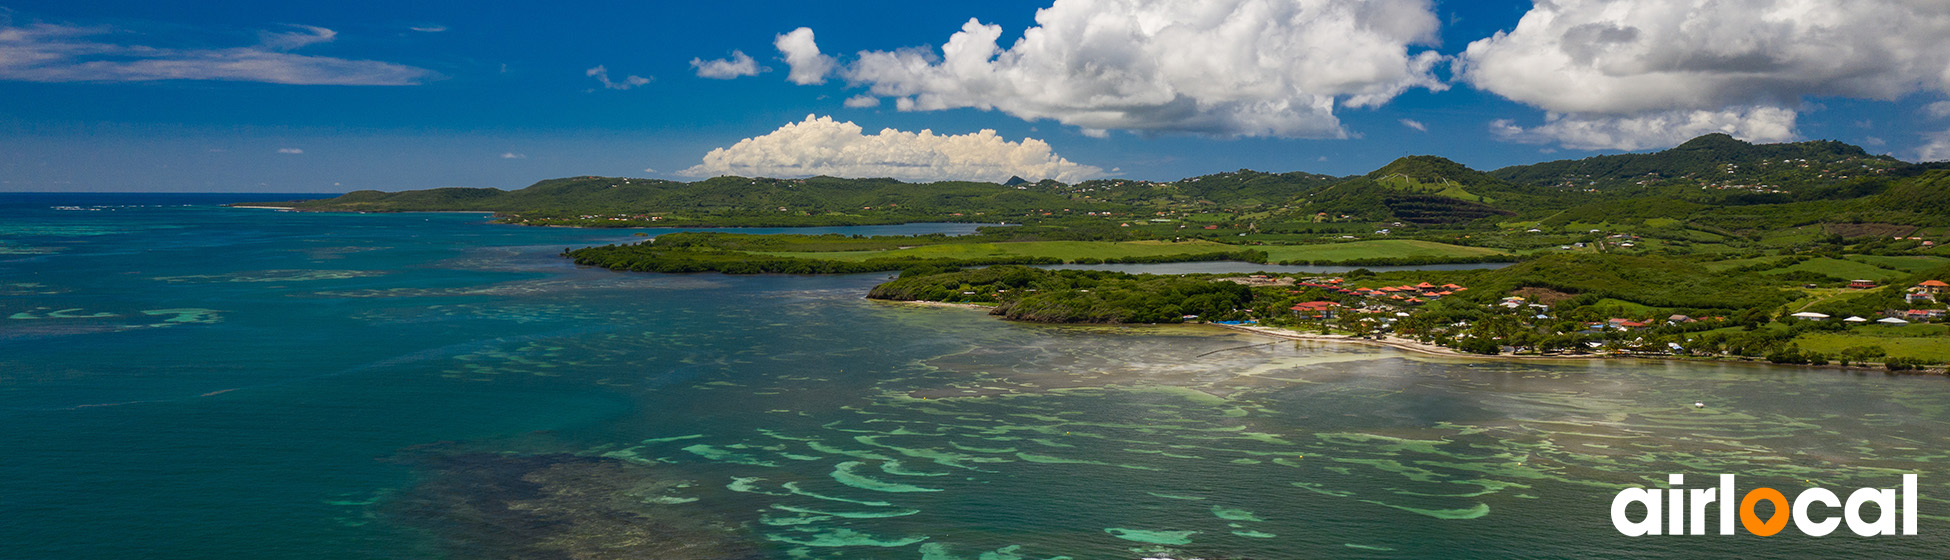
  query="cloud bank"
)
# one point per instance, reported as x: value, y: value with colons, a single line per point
x: 1616, y: 74
x: 1652, y: 130
x: 1228, y: 68
x: 740, y: 64
x: 62, y: 53
x: 1938, y: 148
x: 823, y: 146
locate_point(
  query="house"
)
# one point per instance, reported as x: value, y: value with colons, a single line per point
x: 1677, y: 319
x: 1317, y: 309
x: 1861, y: 284
x: 1923, y: 314
x: 1918, y: 297
x: 1810, y: 316
x: 1855, y: 319
x: 1892, y: 321
x: 1933, y: 287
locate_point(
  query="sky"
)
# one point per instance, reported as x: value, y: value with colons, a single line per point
x: 215, y: 96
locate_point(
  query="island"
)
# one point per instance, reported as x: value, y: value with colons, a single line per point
x: 1798, y: 253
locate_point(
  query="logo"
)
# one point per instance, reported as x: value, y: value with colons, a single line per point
x: 1681, y: 511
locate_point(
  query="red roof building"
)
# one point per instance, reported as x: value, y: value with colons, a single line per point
x: 1934, y: 287
x: 1318, y: 309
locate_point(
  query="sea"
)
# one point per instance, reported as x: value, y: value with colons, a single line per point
x: 180, y: 379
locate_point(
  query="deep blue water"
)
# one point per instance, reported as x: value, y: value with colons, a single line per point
x: 205, y: 382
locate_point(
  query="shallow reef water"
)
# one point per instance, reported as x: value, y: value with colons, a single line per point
x: 212, y: 382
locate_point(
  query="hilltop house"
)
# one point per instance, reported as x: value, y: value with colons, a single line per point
x: 1861, y: 284
x: 1918, y: 297
x: 1933, y: 287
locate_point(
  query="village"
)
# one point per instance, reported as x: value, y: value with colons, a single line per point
x: 1536, y: 325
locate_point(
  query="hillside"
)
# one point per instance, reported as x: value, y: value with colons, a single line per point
x: 1715, y: 160
x: 1713, y: 184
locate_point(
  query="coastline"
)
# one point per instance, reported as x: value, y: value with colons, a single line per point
x: 1418, y: 347
x: 1409, y: 345
x: 932, y: 304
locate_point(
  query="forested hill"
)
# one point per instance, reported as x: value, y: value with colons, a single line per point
x: 1715, y: 179
x: 727, y: 201
x: 1714, y: 160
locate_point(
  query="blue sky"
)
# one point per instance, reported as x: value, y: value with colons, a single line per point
x: 325, y: 97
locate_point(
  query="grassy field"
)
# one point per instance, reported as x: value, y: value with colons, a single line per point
x: 1909, y: 341
x: 1066, y: 250
x: 1905, y: 264
x: 1383, y: 248
x: 1846, y: 270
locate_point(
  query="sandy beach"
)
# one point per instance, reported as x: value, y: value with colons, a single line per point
x: 934, y: 304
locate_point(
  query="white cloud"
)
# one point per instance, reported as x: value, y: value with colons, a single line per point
x: 809, y: 67
x: 429, y: 28
x: 292, y: 151
x: 739, y: 64
x: 862, y: 101
x: 1644, y: 60
x: 823, y: 146
x: 1415, y: 124
x: 1939, y: 109
x: 1652, y: 130
x: 45, y: 52
x: 512, y: 155
x: 601, y: 74
x: 1938, y: 148
x: 1219, y: 67
x: 1618, y: 56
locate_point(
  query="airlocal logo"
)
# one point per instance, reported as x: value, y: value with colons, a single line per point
x: 1683, y: 520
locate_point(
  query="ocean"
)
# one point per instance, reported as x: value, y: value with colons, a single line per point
x: 184, y: 380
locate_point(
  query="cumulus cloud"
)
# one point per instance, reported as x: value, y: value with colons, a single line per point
x: 291, y: 151
x: 1691, y: 61
x: 862, y: 101
x: 601, y: 74
x: 801, y: 52
x: 823, y: 146
x: 1652, y: 130
x: 1415, y: 124
x: 44, y: 52
x: 1218, y: 67
x: 739, y: 64
x: 1937, y: 149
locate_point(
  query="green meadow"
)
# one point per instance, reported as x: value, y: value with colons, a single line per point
x: 1373, y: 249
x: 1066, y: 250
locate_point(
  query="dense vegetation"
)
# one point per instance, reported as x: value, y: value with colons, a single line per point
x: 1745, y: 235
x: 1073, y: 296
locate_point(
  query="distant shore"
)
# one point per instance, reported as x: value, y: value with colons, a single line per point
x: 297, y: 209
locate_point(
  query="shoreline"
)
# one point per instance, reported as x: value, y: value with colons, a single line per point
x: 1404, y: 344
x: 917, y: 303
x: 1418, y: 347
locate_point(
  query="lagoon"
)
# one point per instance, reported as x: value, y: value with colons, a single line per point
x: 196, y: 381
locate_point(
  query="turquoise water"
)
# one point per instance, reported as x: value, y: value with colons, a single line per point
x: 202, y: 382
